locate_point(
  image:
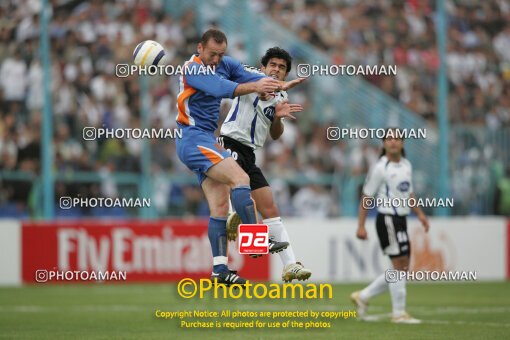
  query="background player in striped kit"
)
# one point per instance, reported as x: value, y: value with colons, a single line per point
x: 390, y: 178
x: 251, y: 118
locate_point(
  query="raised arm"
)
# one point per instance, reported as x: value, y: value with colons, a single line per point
x: 250, y: 80
x: 262, y: 85
x: 209, y: 82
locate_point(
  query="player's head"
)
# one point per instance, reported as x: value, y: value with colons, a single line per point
x: 276, y: 63
x: 212, y: 47
x: 393, y: 143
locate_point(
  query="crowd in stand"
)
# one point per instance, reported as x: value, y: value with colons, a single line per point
x: 89, y: 38
x: 403, y: 33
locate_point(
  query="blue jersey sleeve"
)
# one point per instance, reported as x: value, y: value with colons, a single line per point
x: 239, y: 73
x: 209, y: 82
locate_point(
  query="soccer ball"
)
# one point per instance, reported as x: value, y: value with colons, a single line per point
x: 149, y: 52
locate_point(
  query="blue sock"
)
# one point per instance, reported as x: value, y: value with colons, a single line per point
x: 244, y: 205
x: 218, y: 238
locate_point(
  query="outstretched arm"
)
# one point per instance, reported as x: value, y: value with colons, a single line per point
x: 224, y: 88
x: 265, y: 84
x: 287, y: 85
x: 249, y: 79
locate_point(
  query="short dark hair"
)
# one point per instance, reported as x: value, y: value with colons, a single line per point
x: 215, y: 34
x: 276, y: 52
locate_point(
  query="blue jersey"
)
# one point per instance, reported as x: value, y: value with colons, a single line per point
x: 200, y: 93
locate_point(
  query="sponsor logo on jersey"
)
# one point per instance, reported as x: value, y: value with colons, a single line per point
x: 404, y: 186
x: 269, y: 112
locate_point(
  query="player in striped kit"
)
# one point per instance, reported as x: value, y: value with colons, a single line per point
x: 251, y: 118
x: 390, y: 179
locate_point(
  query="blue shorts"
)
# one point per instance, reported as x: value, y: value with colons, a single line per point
x: 199, y: 150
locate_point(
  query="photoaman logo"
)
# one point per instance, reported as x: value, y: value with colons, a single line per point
x: 253, y: 239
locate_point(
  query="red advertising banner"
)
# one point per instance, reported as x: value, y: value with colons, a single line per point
x: 148, y: 251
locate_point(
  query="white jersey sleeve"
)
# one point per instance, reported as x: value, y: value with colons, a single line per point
x: 375, y: 179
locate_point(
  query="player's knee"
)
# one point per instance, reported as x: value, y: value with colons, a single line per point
x: 219, y: 209
x: 269, y: 210
x: 240, y: 178
x: 402, y: 267
x: 401, y: 264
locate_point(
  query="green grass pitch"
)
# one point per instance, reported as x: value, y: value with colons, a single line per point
x: 107, y: 311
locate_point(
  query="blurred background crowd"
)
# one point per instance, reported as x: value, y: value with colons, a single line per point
x: 88, y: 38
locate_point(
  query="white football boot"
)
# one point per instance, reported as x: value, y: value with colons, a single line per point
x: 295, y: 271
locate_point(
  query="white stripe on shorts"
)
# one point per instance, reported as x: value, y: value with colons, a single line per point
x: 392, y: 248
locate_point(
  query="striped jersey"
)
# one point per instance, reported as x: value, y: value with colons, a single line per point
x: 200, y: 93
x: 390, y: 180
x: 250, y: 118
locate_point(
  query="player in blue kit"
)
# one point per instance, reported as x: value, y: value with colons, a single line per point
x: 198, y: 105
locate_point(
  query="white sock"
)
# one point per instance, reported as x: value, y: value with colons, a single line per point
x: 279, y: 232
x: 398, y: 296
x: 378, y: 286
